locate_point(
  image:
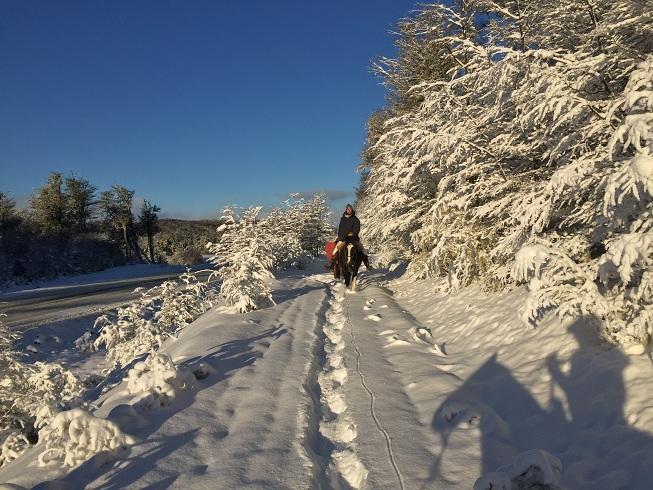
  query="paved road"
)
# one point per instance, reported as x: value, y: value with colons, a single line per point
x: 28, y: 308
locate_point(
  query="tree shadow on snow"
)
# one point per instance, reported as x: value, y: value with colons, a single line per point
x: 585, y: 427
x: 224, y: 360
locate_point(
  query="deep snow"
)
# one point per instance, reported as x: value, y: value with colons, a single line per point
x: 378, y: 390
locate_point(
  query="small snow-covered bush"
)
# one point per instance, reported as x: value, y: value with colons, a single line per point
x: 86, y: 342
x: 128, y: 333
x: 74, y: 436
x: 12, y: 447
x: 179, y: 303
x: 30, y: 396
x: 161, y: 312
x: 157, y: 380
x: 50, y: 388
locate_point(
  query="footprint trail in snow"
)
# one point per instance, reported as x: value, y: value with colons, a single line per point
x: 336, y: 424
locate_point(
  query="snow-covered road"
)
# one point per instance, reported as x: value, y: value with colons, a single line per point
x: 62, y: 300
x: 331, y: 389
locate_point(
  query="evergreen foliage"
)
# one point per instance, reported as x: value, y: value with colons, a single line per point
x: 250, y: 247
x: 520, y: 124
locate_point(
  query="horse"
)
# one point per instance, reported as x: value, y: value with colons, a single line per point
x: 347, y: 263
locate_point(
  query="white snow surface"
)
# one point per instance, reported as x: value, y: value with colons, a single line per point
x: 439, y: 392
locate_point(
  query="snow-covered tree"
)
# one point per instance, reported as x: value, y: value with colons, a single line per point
x: 251, y: 246
x: 316, y: 225
x: 620, y: 215
x: 538, y: 134
x: 244, y: 257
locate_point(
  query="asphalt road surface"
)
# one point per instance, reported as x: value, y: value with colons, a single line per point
x: 36, y: 307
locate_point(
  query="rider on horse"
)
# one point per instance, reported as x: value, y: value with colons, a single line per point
x: 350, y: 227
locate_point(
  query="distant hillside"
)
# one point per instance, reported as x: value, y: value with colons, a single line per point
x: 183, y: 241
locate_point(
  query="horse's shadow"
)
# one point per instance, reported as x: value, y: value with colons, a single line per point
x: 584, y: 424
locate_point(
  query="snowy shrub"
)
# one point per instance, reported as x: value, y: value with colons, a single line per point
x: 128, y: 333
x: 74, y: 436
x: 30, y: 396
x: 12, y: 447
x: 250, y: 247
x: 181, y: 303
x: 157, y: 380
x: 50, y: 388
x: 161, y: 312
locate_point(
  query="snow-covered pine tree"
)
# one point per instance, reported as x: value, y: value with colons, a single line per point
x: 244, y: 257
x: 282, y: 227
x: 316, y: 225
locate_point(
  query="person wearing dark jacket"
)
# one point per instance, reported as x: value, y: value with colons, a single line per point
x: 350, y: 226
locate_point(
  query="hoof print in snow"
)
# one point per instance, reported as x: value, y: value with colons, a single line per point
x: 201, y: 370
x: 93, y: 380
x: 439, y: 349
x: 455, y: 411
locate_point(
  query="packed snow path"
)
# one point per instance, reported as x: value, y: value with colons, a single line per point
x: 332, y: 389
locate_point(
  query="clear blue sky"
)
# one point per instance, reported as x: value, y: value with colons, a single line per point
x: 193, y: 104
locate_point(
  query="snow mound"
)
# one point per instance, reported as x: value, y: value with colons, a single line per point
x: 156, y: 381
x: 534, y: 469
x: 75, y: 435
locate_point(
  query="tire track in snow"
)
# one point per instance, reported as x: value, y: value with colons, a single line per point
x: 388, y: 440
x: 336, y: 425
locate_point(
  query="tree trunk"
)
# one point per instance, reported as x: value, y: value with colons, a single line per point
x: 150, y: 242
x: 125, y: 239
